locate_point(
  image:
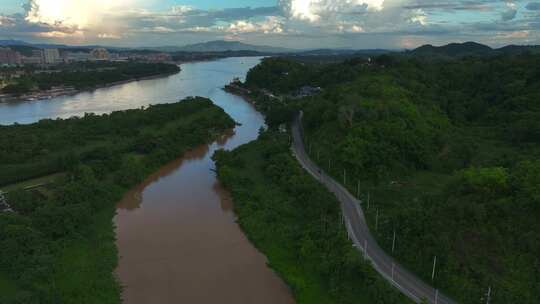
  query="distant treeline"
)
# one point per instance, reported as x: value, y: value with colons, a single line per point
x: 201, y: 56
x: 58, y: 246
x: 87, y: 76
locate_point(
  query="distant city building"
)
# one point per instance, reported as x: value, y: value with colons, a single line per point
x: 51, y: 56
x: 32, y: 60
x: 100, y: 54
x: 77, y: 56
x: 37, y: 53
x: 36, y: 58
x: 9, y: 57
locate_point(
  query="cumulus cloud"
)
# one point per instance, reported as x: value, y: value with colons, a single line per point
x: 271, y: 25
x: 301, y: 23
x: 510, y: 13
x: 76, y: 14
x: 324, y: 10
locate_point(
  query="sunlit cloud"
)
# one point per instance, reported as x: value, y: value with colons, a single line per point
x: 295, y: 23
x: 271, y: 25
x: 81, y: 14
x: 59, y: 34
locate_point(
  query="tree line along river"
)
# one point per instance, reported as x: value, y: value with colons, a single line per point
x: 176, y: 233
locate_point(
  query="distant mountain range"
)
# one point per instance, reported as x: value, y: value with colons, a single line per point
x: 449, y: 50
x: 14, y: 43
x: 223, y: 46
x: 207, y: 47
x: 470, y: 49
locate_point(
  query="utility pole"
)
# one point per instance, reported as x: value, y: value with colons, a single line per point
x: 365, y: 250
x: 488, y: 295
x: 377, y: 221
x: 394, y: 242
x: 434, y: 265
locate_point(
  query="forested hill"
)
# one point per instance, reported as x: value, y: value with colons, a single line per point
x: 448, y: 150
x: 470, y: 49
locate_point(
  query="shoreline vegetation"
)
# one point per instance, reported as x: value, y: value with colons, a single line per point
x: 239, y: 91
x: 444, y: 152
x: 58, y: 244
x: 72, y: 80
x: 61, y: 92
x: 297, y: 225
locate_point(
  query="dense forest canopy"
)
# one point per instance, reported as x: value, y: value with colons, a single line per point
x: 297, y: 225
x: 58, y: 245
x: 448, y: 150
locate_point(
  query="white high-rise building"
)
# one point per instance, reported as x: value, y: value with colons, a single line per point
x: 51, y: 56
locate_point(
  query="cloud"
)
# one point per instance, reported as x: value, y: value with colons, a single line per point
x: 533, y: 6
x: 317, y: 10
x: 6, y: 21
x: 79, y: 14
x: 509, y: 14
x: 295, y: 23
x: 271, y: 25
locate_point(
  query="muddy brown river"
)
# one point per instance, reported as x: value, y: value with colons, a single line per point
x: 177, y: 237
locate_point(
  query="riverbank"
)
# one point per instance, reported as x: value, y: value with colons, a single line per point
x: 71, y: 91
x: 241, y: 92
x: 297, y: 224
x: 68, y: 251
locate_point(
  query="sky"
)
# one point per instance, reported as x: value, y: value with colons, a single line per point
x: 301, y: 24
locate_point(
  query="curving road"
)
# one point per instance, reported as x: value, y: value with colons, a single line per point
x: 410, y: 285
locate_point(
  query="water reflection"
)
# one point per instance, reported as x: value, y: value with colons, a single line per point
x: 134, y: 198
x: 226, y: 199
x: 196, y: 79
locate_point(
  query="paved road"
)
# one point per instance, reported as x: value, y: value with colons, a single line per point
x: 410, y: 285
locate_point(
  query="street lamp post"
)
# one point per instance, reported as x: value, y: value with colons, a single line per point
x: 394, y: 242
